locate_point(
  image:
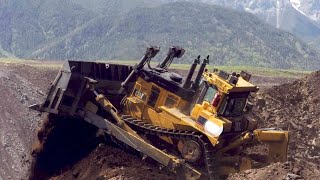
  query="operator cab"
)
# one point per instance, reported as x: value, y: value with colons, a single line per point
x: 227, y: 94
x: 233, y: 104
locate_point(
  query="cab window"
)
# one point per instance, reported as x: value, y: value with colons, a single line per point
x: 206, y: 93
x: 210, y: 94
x: 234, y: 104
x: 171, y: 101
x: 140, y: 94
x: 153, y: 96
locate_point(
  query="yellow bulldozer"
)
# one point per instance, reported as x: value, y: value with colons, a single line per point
x: 193, y: 125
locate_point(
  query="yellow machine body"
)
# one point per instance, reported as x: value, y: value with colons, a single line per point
x: 158, y: 106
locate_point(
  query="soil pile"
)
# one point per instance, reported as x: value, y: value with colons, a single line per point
x: 293, y: 107
x: 61, y: 142
x: 281, y: 171
x: 108, y: 162
x: 20, y: 86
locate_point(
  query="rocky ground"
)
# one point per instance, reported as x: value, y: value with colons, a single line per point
x: 108, y: 162
x: 20, y: 86
x: 293, y: 106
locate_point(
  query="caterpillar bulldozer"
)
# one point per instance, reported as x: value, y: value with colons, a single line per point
x: 193, y: 125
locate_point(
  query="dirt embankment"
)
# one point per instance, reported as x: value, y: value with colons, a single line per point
x: 20, y: 86
x: 281, y: 171
x: 295, y: 107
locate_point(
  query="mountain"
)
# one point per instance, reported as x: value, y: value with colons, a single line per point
x: 29, y: 24
x: 115, y: 6
x: 299, y: 17
x: 4, y: 53
x: 58, y: 29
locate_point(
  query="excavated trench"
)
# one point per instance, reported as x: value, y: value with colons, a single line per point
x: 61, y: 142
x: 70, y: 148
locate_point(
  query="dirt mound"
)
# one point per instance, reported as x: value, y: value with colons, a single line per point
x: 67, y: 148
x: 108, y: 162
x: 293, y: 107
x: 20, y: 86
x: 70, y: 148
x: 286, y: 171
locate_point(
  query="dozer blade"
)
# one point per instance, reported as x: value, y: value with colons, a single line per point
x: 67, y: 91
x: 278, y: 142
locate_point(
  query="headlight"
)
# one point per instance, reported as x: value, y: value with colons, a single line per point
x: 213, y: 129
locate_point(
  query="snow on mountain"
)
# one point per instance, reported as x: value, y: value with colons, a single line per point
x: 296, y: 4
x: 310, y: 8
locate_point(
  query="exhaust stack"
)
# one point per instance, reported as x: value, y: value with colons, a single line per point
x: 200, y: 72
x: 187, y: 81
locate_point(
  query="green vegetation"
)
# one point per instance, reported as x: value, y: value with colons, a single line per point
x: 270, y: 72
x: 120, y: 30
x: 265, y: 71
x: 253, y: 70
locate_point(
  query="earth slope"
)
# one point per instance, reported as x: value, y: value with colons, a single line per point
x: 294, y: 107
x: 20, y: 86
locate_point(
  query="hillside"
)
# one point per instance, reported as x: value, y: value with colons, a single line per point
x: 120, y: 30
x: 29, y: 24
x: 299, y: 17
x: 115, y: 6
x: 22, y: 85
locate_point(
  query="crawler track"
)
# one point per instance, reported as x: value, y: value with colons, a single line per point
x: 207, y: 148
